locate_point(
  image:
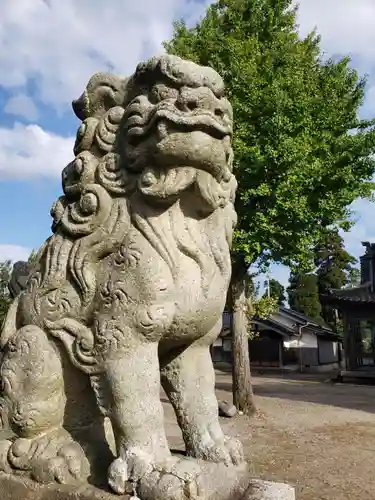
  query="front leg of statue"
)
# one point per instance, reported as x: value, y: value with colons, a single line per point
x: 189, y: 381
x: 143, y: 455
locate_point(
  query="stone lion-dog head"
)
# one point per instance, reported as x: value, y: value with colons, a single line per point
x: 170, y: 125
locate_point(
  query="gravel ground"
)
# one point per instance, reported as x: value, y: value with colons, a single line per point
x: 319, y: 437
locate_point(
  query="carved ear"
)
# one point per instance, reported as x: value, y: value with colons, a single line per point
x: 81, y: 107
x: 103, y: 92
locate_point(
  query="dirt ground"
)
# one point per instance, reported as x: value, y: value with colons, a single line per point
x: 317, y: 436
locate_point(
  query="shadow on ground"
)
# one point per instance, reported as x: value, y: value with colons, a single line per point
x: 308, y: 389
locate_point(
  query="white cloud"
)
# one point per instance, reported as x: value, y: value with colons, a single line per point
x: 22, y: 105
x: 14, y: 253
x: 60, y: 44
x: 346, y: 26
x: 28, y: 150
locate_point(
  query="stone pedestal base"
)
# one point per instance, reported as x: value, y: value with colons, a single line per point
x: 221, y: 483
x: 267, y: 490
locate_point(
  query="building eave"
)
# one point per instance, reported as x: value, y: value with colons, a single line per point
x: 361, y: 294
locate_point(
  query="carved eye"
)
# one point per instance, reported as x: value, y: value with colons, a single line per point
x: 154, y: 96
x: 192, y: 104
x: 159, y: 92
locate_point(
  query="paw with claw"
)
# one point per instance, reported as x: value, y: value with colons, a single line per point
x: 69, y: 466
x: 45, y: 459
x: 225, y: 450
x: 171, y: 479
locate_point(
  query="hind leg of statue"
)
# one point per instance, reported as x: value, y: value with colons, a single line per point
x: 34, y: 393
x: 143, y: 456
x: 189, y: 382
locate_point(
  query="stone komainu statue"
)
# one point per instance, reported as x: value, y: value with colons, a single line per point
x: 129, y: 290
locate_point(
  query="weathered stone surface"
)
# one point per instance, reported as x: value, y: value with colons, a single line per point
x: 227, y: 409
x: 268, y: 490
x: 20, y: 274
x: 220, y: 484
x: 129, y: 290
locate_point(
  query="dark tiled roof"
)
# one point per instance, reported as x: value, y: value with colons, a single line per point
x: 358, y: 294
x: 286, y: 322
x: 291, y: 312
x: 272, y: 324
x: 307, y: 324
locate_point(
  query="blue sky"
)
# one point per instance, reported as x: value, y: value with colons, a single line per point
x: 49, y: 49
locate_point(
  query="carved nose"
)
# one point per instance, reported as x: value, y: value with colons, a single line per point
x: 202, y: 98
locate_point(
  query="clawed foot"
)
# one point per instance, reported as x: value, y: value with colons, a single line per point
x: 225, y: 450
x: 173, y: 479
x: 47, y: 459
x: 69, y: 466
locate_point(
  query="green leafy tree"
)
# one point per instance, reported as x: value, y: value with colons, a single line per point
x: 335, y: 266
x: 335, y: 269
x: 5, y: 299
x: 256, y: 306
x: 275, y: 290
x: 303, y: 295
x: 298, y: 162
x: 354, y: 277
x: 32, y: 257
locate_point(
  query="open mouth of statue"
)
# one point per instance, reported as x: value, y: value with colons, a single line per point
x: 163, y: 122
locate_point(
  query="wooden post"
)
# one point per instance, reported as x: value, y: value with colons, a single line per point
x: 281, y: 364
x: 346, y: 342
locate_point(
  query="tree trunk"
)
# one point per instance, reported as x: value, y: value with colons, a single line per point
x: 243, y: 396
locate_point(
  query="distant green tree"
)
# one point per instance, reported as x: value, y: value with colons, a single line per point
x: 256, y: 306
x: 335, y: 266
x: 304, y: 295
x: 354, y: 277
x: 276, y: 291
x: 5, y: 299
x: 32, y: 257
x: 335, y: 269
